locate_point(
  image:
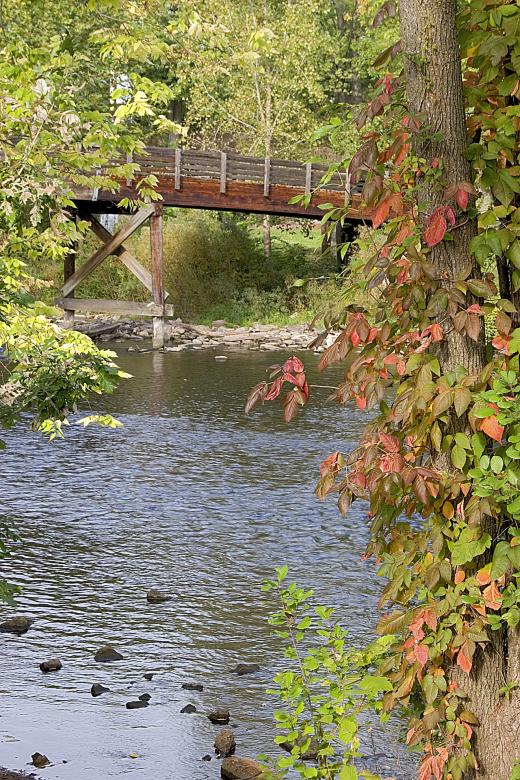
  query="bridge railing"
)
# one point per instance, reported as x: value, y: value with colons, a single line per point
x: 229, y: 167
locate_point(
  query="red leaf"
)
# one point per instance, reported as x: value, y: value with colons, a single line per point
x: 258, y: 393
x: 361, y: 402
x: 462, y: 199
x: 436, y: 228
x: 381, y: 213
x: 492, y: 427
x: 274, y: 392
x: 390, y: 443
x: 501, y: 344
x: 421, y: 653
x: 450, y: 215
x: 293, y: 365
x: 354, y: 337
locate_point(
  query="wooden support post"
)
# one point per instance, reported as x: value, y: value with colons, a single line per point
x: 156, y: 249
x: 308, y: 178
x: 267, y: 177
x: 223, y: 172
x: 69, y: 266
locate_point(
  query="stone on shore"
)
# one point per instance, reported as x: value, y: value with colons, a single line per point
x: 242, y: 669
x: 219, y: 715
x: 234, y: 768
x: 52, y: 665
x: 16, y: 625
x: 192, y: 686
x: 189, y: 709
x: 107, y: 654
x: 225, y: 743
x: 39, y: 760
x: 98, y: 689
x: 155, y: 596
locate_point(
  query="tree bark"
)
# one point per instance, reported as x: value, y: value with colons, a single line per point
x: 435, y: 97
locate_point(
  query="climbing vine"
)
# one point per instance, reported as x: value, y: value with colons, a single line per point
x: 438, y: 459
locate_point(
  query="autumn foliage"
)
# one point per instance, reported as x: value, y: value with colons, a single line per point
x: 437, y: 461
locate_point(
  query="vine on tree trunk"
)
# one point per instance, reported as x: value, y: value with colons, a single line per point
x: 438, y: 462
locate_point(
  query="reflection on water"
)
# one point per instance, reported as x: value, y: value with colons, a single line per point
x: 194, y: 498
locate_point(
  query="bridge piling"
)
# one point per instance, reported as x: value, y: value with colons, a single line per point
x: 156, y: 251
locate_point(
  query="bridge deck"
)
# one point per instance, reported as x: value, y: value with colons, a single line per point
x: 230, y: 182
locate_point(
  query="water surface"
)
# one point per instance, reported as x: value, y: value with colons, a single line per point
x: 198, y: 500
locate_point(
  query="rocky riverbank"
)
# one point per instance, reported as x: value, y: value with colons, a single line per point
x: 183, y: 335
x: 6, y: 774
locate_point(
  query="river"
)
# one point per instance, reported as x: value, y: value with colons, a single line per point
x: 194, y: 498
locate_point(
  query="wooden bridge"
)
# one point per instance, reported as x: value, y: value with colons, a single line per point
x: 216, y: 181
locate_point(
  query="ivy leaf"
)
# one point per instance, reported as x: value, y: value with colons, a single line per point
x: 458, y: 457
x: 500, y: 560
x: 461, y: 400
x: 436, y: 227
x: 442, y: 402
x: 466, y: 548
x: 492, y: 428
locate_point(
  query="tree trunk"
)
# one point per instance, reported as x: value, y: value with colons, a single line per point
x: 435, y: 96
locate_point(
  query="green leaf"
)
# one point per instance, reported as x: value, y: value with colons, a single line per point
x: 466, y: 548
x: 347, y: 729
x: 374, y: 684
x: 458, y: 457
x: 348, y: 773
x: 500, y: 560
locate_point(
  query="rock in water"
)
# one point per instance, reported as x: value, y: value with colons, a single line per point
x: 241, y: 669
x: 157, y: 596
x: 98, y: 689
x: 311, y: 754
x: 107, y: 654
x: 144, y: 697
x: 16, y: 625
x: 39, y: 760
x: 191, y: 686
x: 207, y: 757
x: 189, y: 709
x: 52, y: 665
x: 225, y: 743
x: 241, y: 769
x: 148, y: 676
x: 136, y: 705
x: 219, y: 715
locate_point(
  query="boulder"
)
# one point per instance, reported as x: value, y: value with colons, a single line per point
x: 225, y: 743
x: 107, y: 654
x: 16, y: 625
x: 144, y: 697
x: 189, y: 709
x: 242, y: 669
x: 155, y: 596
x: 39, y: 760
x: 52, y: 665
x: 136, y: 705
x: 207, y: 757
x: 241, y: 769
x: 148, y: 676
x: 192, y: 686
x: 219, y: 715
x: 311, y: 754
x: 98, y: 689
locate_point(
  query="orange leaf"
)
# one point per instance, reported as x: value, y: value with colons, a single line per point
x: 463, y: 661
x: 459, y: 576
x: 381, y: 213
x: 421, y: 654
x: 492, y: 427
x: 483, y: 576
x: 492, y: 596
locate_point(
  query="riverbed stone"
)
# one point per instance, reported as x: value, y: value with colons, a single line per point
x: 107, y: 654
x: 98, y: 689
x: 219, y: 715
x: 225, y: 743
x: 39, y: 760
x: 189, y: 709
x: 144, y: 697
x: 148, y: 676
x: 155, y: 596
x: 138, y: 704
x: 192, y: 686
x: 52, y: 665
x: 234, y: 768
x: 16, y: 625
x: 244, y: 668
